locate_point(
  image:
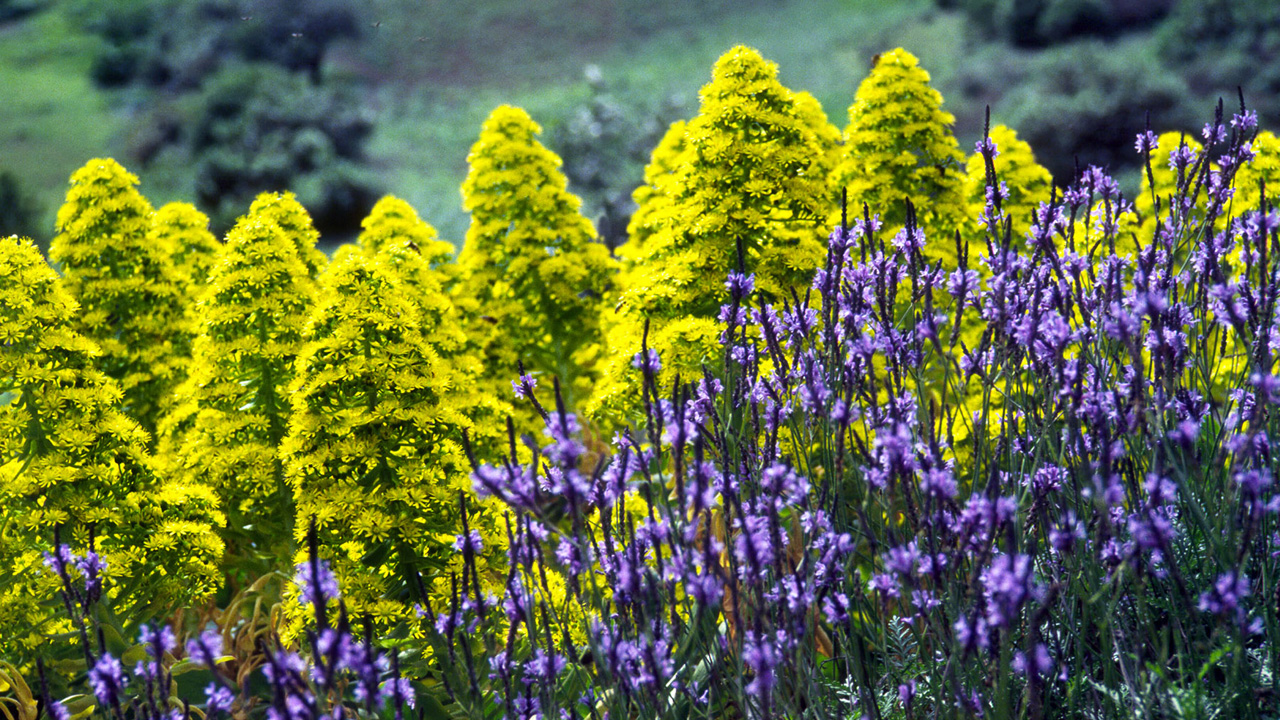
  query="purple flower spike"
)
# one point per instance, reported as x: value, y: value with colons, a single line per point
x: 1146, y: 142
x: 205, y: 649
x: 740, y: 285
x: 760, y: 655
x: 217, y: 699
x: 649, y: 361
x: 107, y: 679
x: 523, y: 386
x: 316, y: 590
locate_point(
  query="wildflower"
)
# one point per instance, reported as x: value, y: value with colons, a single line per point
x: 315, y: 581
x: 760, y: 655
x: 1146, y: 143
x: 1036, y: 663
x: 107, y: 679
x: 205, y: 649
x: 1225, y: 596
x: 217, y: 699
x: 523, y: 386
x: 647, y: 361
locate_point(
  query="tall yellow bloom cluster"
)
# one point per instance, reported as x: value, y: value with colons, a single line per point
x: 899, y: 147
x: 234, y: 408
x: 129, y: 292
x: 70, y: 460
x: 748, y: 173
x: 534, y: 274
x: 375, y: 451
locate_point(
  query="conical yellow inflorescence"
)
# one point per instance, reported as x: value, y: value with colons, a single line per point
x: 375, y: 446
x: 749, y: 175
x: 234, y: 409
x: 534, y: 275
x: 127, y: 286
x: 899, y: 147
x: 70, y: 461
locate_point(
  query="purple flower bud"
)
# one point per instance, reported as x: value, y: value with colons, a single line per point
x: 1226, y: 596
x: 1037, y: 663
x: 760, y: 654
x: 1146, y: 142
x: 1006, y: 585
x: 740, y: 285
x: 206, y: 649
x: 318, y: 590
x: 217, y: 699
x: 1245, y: 122
x: 107, y: 679
x: 647, y: 361
x: 907, y: 694
x: 468, y: 543
x: 523, y: 386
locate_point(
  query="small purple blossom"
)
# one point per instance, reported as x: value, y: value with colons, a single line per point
x: 107, y: 679
x: 319, y: 589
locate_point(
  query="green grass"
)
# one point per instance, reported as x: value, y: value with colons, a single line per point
x: 824, y: 46
x: 53, y: 119
x: 432, y: 76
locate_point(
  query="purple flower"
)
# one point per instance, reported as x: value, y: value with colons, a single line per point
x: 159, y: 641
x: 317, y: 590
x: 1245, y: 122
x: 1037, y: 663
x: 1214, y: 133
x: 217, y: 699
x: 524, y: 385
x: 469, y: 543
x: 1006, y: 585
x: 884, y: 584
x: 107, y: 679
x: 206, y: 649
x: 1146, y: 142
x: 92, y: 567
x: 647, y: 361
x: 740, y: 285
x: 399, y: 691
x: 1225, y: 597
x: 938, y: 483
x: 907, y: 693
x: 543, y: 667
x: 760, y: 653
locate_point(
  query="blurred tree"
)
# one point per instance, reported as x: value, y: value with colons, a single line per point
x: 604, y: 144
x: 176, y: 44
x: 261, y: 129
x: 1037, y: 23
x: 19, y: 213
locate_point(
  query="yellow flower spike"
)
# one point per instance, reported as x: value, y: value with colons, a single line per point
x: 374, y: 445
x: 530, y: 264
x: 232, y: 412
x: 127, y: 287
x: 748, y: 170
x: 69, y: 458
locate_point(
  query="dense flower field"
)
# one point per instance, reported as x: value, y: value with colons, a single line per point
x: 854, y: 425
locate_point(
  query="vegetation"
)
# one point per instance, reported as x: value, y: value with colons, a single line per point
x: 974, y: 442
